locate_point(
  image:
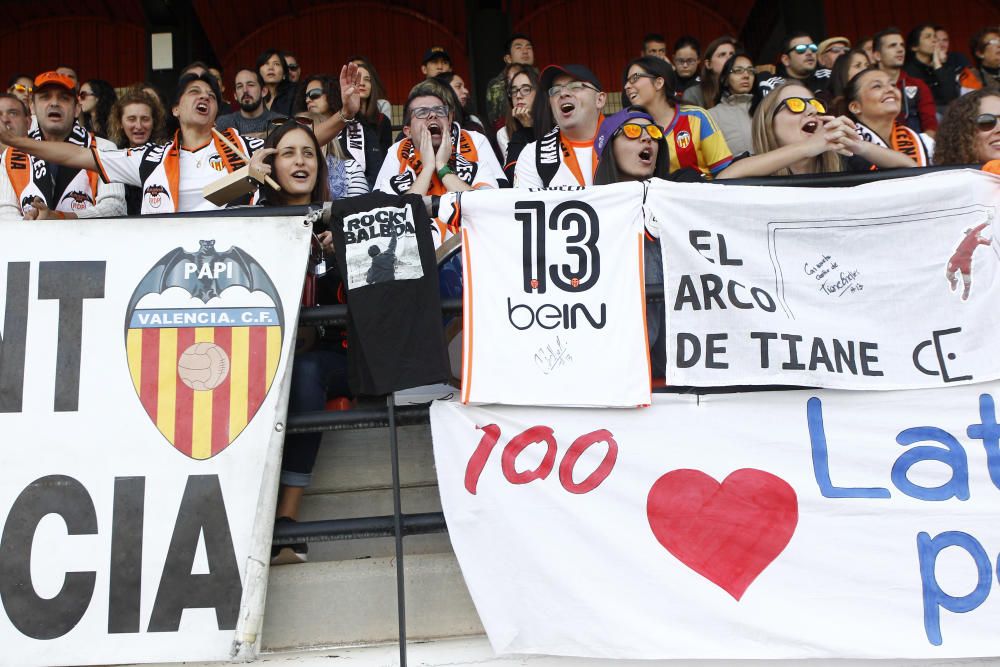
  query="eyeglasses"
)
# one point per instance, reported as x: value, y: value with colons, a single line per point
x: 990, y: 42
x: 639, y: 75
x: 83, y: 94
x: 314, y: 94
x: 799, y: 104
x: 837, y: 48
x: 278, y: 121
x: 20, y: 88
x: 521, y: 91
x: 802, y: 48
x: 293, y: 67
x: 685, y: 61
x: 572, y: 87
x: 985, y: 122
x: 634, y: 131
x: 742, y: 69
x: 426, y: 112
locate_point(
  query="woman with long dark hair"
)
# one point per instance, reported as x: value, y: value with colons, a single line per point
x: 373, y: 113
x: 273, y: 68
x: 731, y: 111
x: 718, y: 52
x: 96, y: 99
x: 873, y: 103
x: 695, y: 141
x: 292, y: 157
x: 518, y: 130
x: 631, y: 147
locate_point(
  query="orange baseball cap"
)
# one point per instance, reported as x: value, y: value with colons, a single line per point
x: 54, y: 78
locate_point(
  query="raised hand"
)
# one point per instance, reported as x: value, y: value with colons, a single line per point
x: 350, y: 79
x: 444, y: 150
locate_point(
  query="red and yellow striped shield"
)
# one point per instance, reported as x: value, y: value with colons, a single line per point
x: 203, y: 335
x: 201, y: 418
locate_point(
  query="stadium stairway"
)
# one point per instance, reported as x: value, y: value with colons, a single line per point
x: 346, y: 594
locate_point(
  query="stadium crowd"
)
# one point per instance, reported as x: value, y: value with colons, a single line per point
x: 80, y: 149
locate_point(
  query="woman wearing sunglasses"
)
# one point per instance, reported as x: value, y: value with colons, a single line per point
x: 873, y: 103
x: 732, y: 108
x: 320, y: 95
x: 793, y: 135
x: 969, y: 132
x: 631, y: 147
x: 358, y: 139
x: 171, y: 176
x: 694, y: 140
x: 96, y: 99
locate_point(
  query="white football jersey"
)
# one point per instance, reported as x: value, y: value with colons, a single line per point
x: 554, y: 300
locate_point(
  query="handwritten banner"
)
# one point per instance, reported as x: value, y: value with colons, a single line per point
x: 891, y: 285
x: 142, y: 401
x: 763, y: 525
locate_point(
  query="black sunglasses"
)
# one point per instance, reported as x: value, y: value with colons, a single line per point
x: 278, y: 121
x: 314, y: 94
x: 985, y: 122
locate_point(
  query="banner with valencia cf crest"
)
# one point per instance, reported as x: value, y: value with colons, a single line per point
x: 142, y: 402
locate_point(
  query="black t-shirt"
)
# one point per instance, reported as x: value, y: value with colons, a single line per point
x: 385, y: 254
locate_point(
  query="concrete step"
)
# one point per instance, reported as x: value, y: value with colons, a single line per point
x: 353, y: 602
x: 357, y: 460
x: 353, y: 478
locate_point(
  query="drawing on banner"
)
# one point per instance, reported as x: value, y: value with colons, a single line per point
x: 842, y: 275
x: 381, y: 247
x: 961, y: 261
x: 728, y: 533
x: 203, y: 334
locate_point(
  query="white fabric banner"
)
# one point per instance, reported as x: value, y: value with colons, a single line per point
x: 763, y: 525
x: 554, y: 300
x: 890, y: 285
x: 142, y: 392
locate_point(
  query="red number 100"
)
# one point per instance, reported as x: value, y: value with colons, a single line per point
x: 520, y: 442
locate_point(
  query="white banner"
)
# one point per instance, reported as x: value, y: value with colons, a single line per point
x: 761, y: 525
x: 554, y: 298
x: 891, y: 285
x: 142, y: 393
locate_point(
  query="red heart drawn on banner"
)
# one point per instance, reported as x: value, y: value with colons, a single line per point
x: 728, y: 533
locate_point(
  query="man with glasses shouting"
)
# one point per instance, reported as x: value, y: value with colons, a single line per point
x: 564, y: 155
x: 436, y: 156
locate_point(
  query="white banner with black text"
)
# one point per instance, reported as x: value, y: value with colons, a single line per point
x: 889, y: 285
x: 142, y: 392
x: 765, y: 525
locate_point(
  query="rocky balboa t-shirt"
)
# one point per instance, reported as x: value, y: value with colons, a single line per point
x: 386, y: 257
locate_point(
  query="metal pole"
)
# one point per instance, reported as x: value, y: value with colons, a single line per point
x: 397, y: 516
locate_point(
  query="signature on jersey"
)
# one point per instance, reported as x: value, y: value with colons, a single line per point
x: 551, y: 357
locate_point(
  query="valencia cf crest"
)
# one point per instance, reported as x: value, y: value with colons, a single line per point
x: 203, y: 335
x: 683, y: 139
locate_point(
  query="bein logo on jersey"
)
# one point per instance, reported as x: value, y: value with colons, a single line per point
x: 579, y: 220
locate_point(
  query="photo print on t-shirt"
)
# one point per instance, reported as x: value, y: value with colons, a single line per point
x: 381, y: 246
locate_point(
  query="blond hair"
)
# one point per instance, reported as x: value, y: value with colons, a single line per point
x: 765, y: 140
